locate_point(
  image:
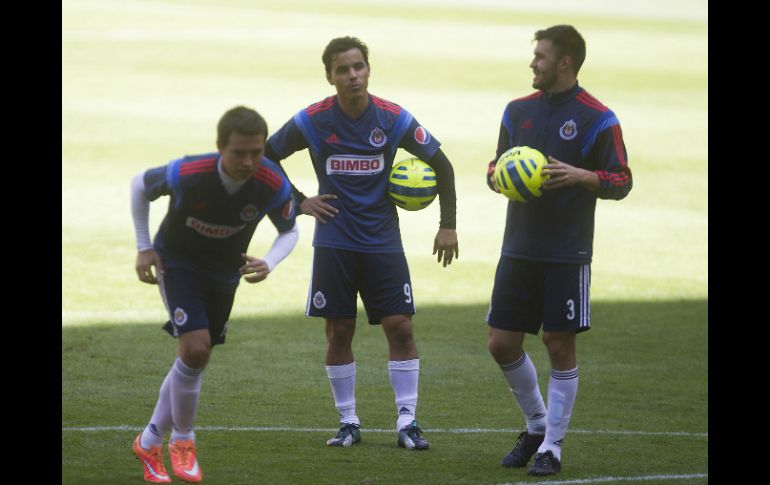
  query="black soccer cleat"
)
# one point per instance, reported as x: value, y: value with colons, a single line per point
x: 348, y: 435
x: 526, y: 446
x: 545, y: 464
x: 409, y: 437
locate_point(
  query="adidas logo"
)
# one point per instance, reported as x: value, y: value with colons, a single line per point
x: 403, y: 411
x: 332, y: 139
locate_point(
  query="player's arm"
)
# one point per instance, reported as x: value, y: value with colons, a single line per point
x: 283, y: 218
x: 614, y: 176
x: 291, y: 138
x: 445, y: 243
x: 611, y: 181
x: 146, y: 256
x: 502, y: 146
x: 256, y: 270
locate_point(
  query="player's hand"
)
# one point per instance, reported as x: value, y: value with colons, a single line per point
x: 491, y: 182
x: 317, y: 207
x: 256, y: 269
x: 565, y: 175
x: 145, y: 260
x: 445, y: 244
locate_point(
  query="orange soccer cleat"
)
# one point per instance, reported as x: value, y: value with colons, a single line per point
x: 184, y: 461
x: 152, y: 459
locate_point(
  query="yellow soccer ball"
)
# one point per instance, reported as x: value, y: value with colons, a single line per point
x: 412, y: 184
x: 518, y: 173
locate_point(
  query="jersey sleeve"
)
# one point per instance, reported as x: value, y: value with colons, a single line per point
x: 287, y: 140
x: 607, y: 152
x: 284, y: 216
x: 281, y: 207
x: 416, y: 139
x: 156, y: 182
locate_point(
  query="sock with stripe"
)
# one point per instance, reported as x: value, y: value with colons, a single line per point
x: 522, y: 379
x: 562, y: 389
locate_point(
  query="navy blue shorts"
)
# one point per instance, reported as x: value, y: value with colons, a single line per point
x: 196, y: 301
x: 339, y: 275
x: 528, y: 294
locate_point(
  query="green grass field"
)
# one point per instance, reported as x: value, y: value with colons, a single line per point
x: 144, y: 82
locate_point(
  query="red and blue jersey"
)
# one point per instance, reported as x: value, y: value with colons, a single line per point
x: 205, y: 226
x: 352, y: 159
x: 575, y: 128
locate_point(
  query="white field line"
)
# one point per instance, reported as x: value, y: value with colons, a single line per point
x: 125, y: 427
x: 643, y: 478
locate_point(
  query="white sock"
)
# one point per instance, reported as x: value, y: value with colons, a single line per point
x: 562, y: 389
x: 185, y: 391
x: 404, y: 376
x: 522, y: 379
x: 343, y: 381
x: 160, y: 422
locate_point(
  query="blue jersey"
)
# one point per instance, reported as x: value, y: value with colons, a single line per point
x: 352, y: 159
x: 575, y: 128
x: 205, y: 226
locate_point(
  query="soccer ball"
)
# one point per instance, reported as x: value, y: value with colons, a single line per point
x: 412, y: 184
x: 518, y: 173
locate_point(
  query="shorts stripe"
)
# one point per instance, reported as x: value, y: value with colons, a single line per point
x: 585, y: 301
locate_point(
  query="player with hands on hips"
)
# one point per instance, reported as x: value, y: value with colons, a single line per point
x: 352, y: 138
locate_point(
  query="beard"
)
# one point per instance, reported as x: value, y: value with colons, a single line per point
x: 547, y: 80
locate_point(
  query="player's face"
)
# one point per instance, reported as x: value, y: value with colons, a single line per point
x: 242, y: 155
x: 544, y: 65
x: 349, y: 74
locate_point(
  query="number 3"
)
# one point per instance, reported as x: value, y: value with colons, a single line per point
x: 571, y: 312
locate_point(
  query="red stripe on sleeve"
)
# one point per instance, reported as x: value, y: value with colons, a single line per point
x: 591, y: 102
x: 197, y: 166
x: 323, y: 105
x: 267, y: 177
x: 617, y: 141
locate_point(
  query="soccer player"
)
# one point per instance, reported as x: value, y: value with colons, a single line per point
x: 543, y: 276
x: 199, y: 255
x: 352, y: 138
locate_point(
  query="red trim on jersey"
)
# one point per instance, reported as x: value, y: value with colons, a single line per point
x: 534, y: 95
x: 591, y: 102
x: 197, y: 166
x: 386, y: 105
x: 320, y: 106
x: 617, y: 141
x: 268, y: 177
x: 615, y: 179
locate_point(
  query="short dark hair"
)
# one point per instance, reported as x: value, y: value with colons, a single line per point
x: 241, y: 120
x: 343, y: 44
x: 566, y: 41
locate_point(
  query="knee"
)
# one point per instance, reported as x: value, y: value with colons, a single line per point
x: 195, y: 353
x: 399, y: 328
x: 340, y: 332
x: 502, y: 350
x: 561, y: 349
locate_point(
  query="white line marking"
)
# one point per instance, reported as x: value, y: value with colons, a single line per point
x: 125, y: 427
x: 614, y: 479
